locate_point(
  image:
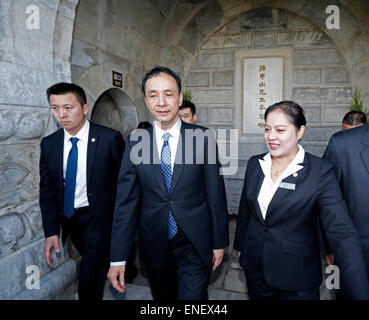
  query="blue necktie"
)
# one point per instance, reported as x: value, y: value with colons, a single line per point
x: 70, y: 179
x: 166, y: 169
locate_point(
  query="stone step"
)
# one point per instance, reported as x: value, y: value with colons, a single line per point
x: 133, y: 292
x: 217, y: 294
x: 140, y: 292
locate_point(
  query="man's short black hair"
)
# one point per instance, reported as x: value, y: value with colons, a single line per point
x: 188, y: 104
x: 354, y: 118
x: 157, y: 70
x: 64, y: 88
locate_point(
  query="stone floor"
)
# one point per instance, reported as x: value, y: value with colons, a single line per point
x: 226, y: 283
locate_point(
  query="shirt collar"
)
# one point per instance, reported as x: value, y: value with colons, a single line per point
x: 174, y: 130
x: 82, y: 134
x: 294, y: 166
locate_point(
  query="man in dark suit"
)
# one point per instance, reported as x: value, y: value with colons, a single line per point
x: 79, y: 167
x: 348, y: 151
x: 177, y: 199
x: 187, y: 112
x: 353, y: 119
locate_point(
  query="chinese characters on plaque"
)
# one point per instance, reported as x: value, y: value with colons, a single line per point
x: 262, y: 94
x: 262, y: 87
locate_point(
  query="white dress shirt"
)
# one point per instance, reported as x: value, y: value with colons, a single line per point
x: 269, y: 188
x: 173, y: 143
x: 80, y: 195
x: 173, y: 140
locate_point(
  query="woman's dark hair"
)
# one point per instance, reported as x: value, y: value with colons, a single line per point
x: 157, y: 70
x: 292, y: 110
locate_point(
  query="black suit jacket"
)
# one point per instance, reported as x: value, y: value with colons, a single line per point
x: 104, y: 155
x: 348, y: 150
x: 287, y: 239
x: 196, y: 199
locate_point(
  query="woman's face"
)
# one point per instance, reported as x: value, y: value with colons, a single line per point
x: 280, y: 135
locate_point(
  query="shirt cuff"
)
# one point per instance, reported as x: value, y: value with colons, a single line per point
x: 117, y: 264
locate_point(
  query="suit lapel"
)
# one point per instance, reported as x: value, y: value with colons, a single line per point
x: 257, y: 181
x: 60, y: 157
x: 155, y: 160
x: 282, y: 192
x: 93, y: 140
x: 365, y: 152
x: 178, y: 162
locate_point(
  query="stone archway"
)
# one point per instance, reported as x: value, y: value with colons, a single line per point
x: 128, y: 101
x: 115, y: 110
x: 193, y: 23
x: 323, y: 65
x: 316, y: 74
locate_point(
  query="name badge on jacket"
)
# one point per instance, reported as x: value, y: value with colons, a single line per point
x: 289, y: 186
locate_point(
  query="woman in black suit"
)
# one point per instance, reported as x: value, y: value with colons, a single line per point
x: 285, y: 192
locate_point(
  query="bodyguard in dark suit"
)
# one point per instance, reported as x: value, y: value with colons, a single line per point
x: 284, y: 193
x: 348, y: 151
x: 79, y: 168
x: 175, y: 194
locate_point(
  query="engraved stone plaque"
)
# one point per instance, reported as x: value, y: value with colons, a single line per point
x: 263, y: 86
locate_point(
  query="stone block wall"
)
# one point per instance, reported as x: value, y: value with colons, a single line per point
x: 27, y: 67
x: 320, y: 81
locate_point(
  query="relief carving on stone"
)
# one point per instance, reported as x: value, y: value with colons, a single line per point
x: 19, y: 227
x: 16, y: 125
x: 19, y: 176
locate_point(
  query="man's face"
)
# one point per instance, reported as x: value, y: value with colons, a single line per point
x: 68, y: 112
x: 187, y: 116
x: 163, y: 99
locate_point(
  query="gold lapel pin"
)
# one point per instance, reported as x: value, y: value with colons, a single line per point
x: 93, y: 140
x: 295, y: 174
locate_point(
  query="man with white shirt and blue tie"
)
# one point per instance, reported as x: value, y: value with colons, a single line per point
x: 79, y: 166
x: 177, y: 200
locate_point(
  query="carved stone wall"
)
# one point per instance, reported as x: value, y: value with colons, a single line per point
x: 30, y: 61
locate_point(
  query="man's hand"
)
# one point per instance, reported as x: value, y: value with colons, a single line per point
x: 51, y: 242
x: 217, y: 257
x: 329, y: 259
x: 116, y: 277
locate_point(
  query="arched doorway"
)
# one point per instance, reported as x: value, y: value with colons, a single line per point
x: 114, y: 109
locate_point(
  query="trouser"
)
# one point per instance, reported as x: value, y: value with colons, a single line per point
x: 94, y: 247
x: 184, y: 277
